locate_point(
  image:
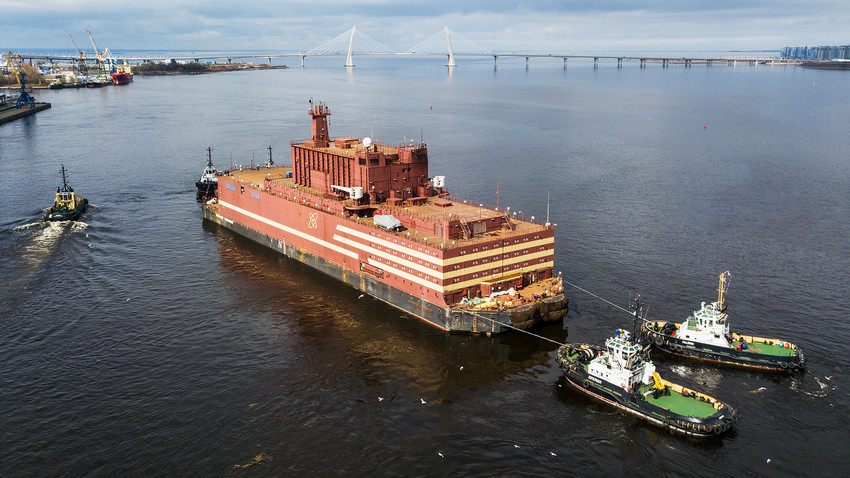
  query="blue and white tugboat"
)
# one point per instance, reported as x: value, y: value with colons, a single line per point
x: 705, y: 335
x: 68, y: 206
x: 209, y: 181
x: 621, y: 374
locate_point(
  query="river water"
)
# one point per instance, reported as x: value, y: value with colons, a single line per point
x: 140, y: 341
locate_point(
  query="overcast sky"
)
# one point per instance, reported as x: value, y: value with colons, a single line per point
x: 565, y: 26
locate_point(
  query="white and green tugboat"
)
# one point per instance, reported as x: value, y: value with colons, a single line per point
x: 621, y: 374
x: 209, y: 178
x: 705, y: 335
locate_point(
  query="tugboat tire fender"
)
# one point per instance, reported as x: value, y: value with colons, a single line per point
x: 659, y: 340
x: 586, y: 384
x: 676, y: 347
x: 784, y: 365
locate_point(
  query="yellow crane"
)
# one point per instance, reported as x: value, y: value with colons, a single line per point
x: 17, y: 65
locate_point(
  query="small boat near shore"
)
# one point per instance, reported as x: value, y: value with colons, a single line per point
x: 705, y: 335
x: 68, y: 206
x: 621, y: 374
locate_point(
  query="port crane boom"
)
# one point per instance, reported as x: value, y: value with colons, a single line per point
x: 96, y: 51
x: 82, y: 65
x: 79, y: 52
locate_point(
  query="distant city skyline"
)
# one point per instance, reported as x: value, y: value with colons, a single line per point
x: 497, y: 25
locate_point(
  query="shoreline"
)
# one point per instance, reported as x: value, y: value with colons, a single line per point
x: 201, y: 69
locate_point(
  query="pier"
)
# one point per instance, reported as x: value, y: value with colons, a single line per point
x: 9, y: 112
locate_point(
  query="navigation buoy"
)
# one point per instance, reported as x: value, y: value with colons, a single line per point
x: 703, y: 126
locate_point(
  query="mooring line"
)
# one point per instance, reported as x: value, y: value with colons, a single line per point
x: 517, y: 328
x: 600, y: 298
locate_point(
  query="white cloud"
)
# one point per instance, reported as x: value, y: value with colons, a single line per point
x: 535, y: 25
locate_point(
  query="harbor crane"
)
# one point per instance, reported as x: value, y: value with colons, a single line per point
x: 82, y: 65
x: 17, y: 65
x: 97, y: 52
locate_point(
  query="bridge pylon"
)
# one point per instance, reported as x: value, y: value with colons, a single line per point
x: 451, y: 63
x: 349, y: 62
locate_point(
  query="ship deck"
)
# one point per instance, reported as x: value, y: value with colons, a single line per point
x: 433, y: 209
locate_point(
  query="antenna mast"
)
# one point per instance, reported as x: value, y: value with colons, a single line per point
x: 721, y: 291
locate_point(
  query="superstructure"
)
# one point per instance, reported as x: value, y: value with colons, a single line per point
x: 369, y: 215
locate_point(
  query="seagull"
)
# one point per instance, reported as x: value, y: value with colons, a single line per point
x: 552, y: 453
x: 828, y: 378
x: 461, y: 367
x: 361, y: 296
x: 768, y: 460
x: 380, y: 399
x: 423, y: 401
x: 516, y: 446
x: 441, y: 455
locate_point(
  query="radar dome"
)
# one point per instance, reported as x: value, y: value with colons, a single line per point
x: 367, y: 141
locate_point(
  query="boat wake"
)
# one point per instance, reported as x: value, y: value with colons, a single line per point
x: 823, y: 388
x: 38, y: 247
x: 707, y: 377
x: 27, y: 226
x: 43, y: 244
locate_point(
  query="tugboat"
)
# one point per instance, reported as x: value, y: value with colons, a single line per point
x: 68, y: 206
x: 705, y: 335
x: 621, y: 374
x: 208, y: 182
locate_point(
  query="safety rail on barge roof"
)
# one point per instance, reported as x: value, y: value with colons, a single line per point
x: 409, y: 144
x: 521, y: 217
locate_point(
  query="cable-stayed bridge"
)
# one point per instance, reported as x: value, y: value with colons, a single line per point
x: 446, y: 43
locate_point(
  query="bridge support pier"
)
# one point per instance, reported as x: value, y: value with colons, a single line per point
x: 302, y: 60
x: 596, y: 63
x: 643, y: 62
x: 270, y: 61
x: 526, y: 63
x: 229, y: 61
x: 565, y: 63
x: 495, y: 61
x: 619, y: 62
x: 687, y: 63
x: 663, y: 63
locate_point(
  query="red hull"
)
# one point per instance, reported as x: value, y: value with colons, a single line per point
x: 121, y: 78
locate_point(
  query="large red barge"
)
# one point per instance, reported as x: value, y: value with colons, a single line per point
x: 369, y: 215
